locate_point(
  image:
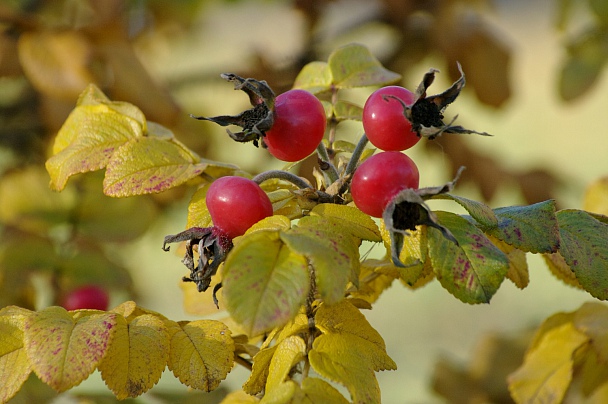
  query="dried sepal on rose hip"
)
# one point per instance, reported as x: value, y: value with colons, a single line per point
x: 234, y: 204
x: 255, y: 121
x: 290, y: 125
x: 426, y: 113
x: 408, y: 209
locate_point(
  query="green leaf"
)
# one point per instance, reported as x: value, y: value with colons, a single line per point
x: 482, y: 213
x: 333, y: 254
x: 356, y: 222
x: 586, y: 60
x: 585, y: 250
x: 600, y: 9
x: 546, y: 372
x: 349, y: 351
x: 264, y: 282
x: 354, y: 66
x: 530, y: 228
x: 315, y: 77
x: 87, y: 141
x: 149, y: 165
x: 473, y: 270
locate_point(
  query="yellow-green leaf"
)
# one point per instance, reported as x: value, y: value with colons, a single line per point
x: 15, y: 366
x: 414, y: 255
x: 91, y: 135
x: 546, y: 372
x: 315, y: 77
x: 264, y: 282
x: 201, y: 353
x: 198, y: 215
x: 481, y: 212
x: 333, y: 254
x: 371, y: 282
x: 345, y: 110
x: 319, y: 391
x: 473, y: 270
x: 289, y: 352
x: 64, y: 348
x: 354, y: 65
x: 149, y: 165
x: 137, y: 357
x: 356, y: 222
x: 271, y: 223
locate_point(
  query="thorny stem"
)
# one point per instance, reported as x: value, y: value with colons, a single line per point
x: 330, y: 171
x: 282, y: 175
x: 311, y: 320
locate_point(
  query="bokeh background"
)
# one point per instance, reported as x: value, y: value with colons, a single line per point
x: 536, y: 80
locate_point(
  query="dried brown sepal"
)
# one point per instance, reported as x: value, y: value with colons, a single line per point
x: 255, y: 121
x: 212, y: 248
x: 408, y: 209
x: 426, y: 113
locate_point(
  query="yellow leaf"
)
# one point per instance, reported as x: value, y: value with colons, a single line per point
x: 349, y: 351
x: 137, y: 357
x: 356, y: 222
x: 546, y: 372
x: 198, y: 215
x: 371, y: 283
x: 201, y: 353
x: 518, y: 266
x: 240, y: 397
x: 147, y: 165
x: 592, y: 319
x: 284, y: 393
x: 15, y: 366
x: 319, y: 391
x: 259, y: 373
x: 560, y: 269
x: 596, y: 197
x: 274, y: 222
x: 87, y: 141
x: 56, y: 62
x: 64, y: 348
x: 289, y: 352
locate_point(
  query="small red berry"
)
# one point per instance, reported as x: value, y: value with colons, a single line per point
x: 87, y: 297
x: 235, y: 204
x: 384, y: 119
x: 299, y: 125
x: 379, y: 178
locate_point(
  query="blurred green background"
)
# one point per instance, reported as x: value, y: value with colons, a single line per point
x: 535, y: 80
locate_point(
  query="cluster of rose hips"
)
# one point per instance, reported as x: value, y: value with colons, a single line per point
x: 298, y: 128
x: 291, y: 126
